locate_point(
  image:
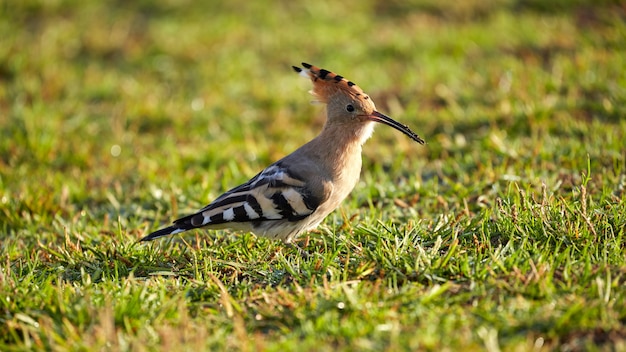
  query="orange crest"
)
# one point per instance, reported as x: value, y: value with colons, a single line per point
x: 327, y: 84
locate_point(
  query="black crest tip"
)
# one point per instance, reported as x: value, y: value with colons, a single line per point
x: 323, y: 73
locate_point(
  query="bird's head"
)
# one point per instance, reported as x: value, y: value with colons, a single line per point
x: 346, y: 102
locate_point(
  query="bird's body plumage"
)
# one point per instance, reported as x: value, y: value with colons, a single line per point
x: 294, y: 194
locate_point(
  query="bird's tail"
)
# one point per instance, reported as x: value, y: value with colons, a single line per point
x: 170, y: 230
x: 183, y: 224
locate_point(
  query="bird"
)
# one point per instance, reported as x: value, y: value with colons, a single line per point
x: 294, y: 194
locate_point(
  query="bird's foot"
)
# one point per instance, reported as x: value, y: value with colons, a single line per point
x: 303, y: 253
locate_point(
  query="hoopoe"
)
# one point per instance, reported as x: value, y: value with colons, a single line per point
x: 294, y: 194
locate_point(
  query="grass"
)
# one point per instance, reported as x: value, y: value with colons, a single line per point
x: 505, y: 232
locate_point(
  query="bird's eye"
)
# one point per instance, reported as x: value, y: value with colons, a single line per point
x: 349, y: 108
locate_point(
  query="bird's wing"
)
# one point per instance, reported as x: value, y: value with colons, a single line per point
x: 277, y: 193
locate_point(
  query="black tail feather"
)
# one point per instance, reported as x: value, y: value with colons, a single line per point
x: 181, y: 225
x: 164, y: 232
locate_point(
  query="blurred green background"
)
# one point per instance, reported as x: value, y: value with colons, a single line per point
x: 123, y: 96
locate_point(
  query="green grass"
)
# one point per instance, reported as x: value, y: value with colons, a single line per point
x: 506, y: 231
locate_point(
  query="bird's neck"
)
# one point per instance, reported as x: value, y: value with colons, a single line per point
x: 347, y: 135
x: 338, y: 146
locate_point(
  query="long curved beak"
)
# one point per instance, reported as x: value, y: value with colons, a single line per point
x: 384, y: 119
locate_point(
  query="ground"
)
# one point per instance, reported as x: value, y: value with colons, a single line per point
x: 506, y: 231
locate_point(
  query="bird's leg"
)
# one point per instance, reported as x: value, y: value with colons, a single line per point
x: 304, y: 254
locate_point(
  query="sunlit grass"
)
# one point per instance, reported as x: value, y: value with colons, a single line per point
x: 505, y: 231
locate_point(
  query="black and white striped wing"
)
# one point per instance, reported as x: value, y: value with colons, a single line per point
x: 275, y: 194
